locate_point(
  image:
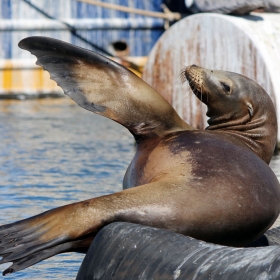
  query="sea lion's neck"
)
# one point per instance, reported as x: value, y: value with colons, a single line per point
x: 259, y: 134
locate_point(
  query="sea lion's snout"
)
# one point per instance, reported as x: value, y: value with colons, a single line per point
x: 192, y: 71
x: 194, y: 75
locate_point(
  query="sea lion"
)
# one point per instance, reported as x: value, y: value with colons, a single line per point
x: 214, y: 184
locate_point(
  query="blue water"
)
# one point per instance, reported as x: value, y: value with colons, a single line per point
x: 52, y: 153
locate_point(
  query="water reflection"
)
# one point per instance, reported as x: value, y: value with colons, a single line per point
x: 52, y: 153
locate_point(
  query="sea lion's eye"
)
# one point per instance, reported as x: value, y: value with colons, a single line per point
x: 226, y: 87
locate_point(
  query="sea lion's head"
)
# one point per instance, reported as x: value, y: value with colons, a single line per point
x: 236, y: 105
x: 229, y: 96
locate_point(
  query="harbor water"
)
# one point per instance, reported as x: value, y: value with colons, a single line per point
x: 52, y: 152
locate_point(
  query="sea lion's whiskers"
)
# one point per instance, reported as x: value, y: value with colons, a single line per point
x: 189, y: 93
x: 182, y: 76
x: 192, y: 84
x: 185, y: 84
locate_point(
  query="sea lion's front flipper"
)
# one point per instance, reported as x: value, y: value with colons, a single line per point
x: 102, y: 86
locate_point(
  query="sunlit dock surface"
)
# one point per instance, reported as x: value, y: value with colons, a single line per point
x: 52, y: 152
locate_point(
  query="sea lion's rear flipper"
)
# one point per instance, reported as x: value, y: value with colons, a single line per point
x: 102, y: 86
x: 80, y: 246
x: 37, y: 238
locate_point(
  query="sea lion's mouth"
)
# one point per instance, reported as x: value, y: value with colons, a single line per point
x: 193, y: 74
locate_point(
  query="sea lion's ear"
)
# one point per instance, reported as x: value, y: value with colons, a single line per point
x: 250, y: 109
x: 102, y: 86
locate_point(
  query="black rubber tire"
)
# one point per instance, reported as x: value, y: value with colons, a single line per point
x: 130, y: 251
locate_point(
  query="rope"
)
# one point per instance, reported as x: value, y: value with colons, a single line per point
x: 167, y: 14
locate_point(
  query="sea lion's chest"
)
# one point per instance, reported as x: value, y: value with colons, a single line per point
x: 204, y: 155
x: 175, y: 153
